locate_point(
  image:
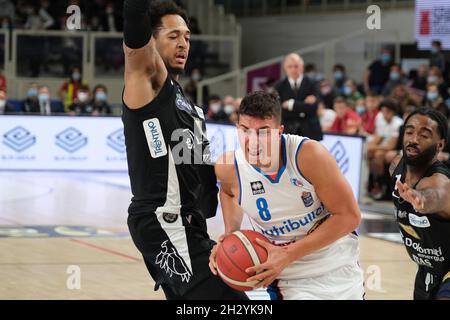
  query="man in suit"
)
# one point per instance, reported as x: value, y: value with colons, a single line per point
x: 298, y: 95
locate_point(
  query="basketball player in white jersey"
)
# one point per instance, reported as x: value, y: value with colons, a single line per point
x: 294, y: 194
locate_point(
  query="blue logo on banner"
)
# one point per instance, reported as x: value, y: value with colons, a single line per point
x: 116, y: 140
x: 71, y: 140
x: 19, y: 139
x: 340, y: 154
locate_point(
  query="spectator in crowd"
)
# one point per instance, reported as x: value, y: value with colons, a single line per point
x: 3, y: 82
x: 395, y: 78
x: 360, y: 106
x: 69, y: 90
x: 326, y: 117
x: 312, y: 73
x: 191, y: 87
x: 298, y: 96
x: 347, y: 121
x: 419, y: 83
x: 5, y: 106
x: 100, y: 101
x: 400, y: 94
x: 82, y: 104
x: 105, y: 17
x: 38, y: 18
x: 372, y: 103
x: 434, y: 100
x: 340, y: 77
x: 326, y: 94
x: 215, y: 110
x: 229, y: 106
x: 46, y: 107
x: 377, y: 75
x: 437, y: 57
x: 7, y: 10
x: 435, y: 77
x: 351, y: 91
x: 31, y: 102
x: 387, y: 125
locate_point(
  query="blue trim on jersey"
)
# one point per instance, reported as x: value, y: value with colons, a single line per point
x: 280, y: 170
x: 239, y: 179
x: 274, y: 291
x: 296, y: 161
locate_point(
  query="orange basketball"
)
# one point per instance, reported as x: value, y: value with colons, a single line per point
x: 237, y: 252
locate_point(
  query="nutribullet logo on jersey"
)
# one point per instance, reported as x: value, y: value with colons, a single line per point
x: 19, y: 139
x: 155, y: 138
x: 71, y: 140
x: 340, y: 154
x: 257, y: 188
x: 116, y: 141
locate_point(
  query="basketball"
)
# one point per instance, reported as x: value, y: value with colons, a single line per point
x: 237, y: 252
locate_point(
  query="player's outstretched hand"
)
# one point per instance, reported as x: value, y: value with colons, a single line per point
x: 412, y: 196
x: 277, y: 260
x: 212, y: 256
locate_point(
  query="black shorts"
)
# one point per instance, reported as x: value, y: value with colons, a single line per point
x: 430, y: 287
x: 176, y: 251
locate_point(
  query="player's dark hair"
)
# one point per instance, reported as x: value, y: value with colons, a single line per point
x: 261, y: 105
x: 162, y: 8
x: 436, y: 116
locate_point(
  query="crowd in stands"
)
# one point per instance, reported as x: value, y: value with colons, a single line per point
x: 74, y: 98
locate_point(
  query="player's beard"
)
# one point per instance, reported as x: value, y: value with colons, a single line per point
x: 423, y: 158
x: 175, y: 71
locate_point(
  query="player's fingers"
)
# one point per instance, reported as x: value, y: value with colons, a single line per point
x: 257, y: 269
x: 212, y: 268
x: 260, y: 276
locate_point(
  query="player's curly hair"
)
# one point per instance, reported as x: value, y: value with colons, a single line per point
x: 161, y: 8
x: 261, y: 105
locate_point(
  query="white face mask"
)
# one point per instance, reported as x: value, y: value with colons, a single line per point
x: 229, y: 109
x: 215, y: 107
x: 83, y: 96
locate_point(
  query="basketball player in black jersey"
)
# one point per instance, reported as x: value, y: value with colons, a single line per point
x: 421, y: 196
x: 173, y: 184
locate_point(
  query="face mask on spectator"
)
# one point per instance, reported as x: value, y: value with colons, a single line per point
x: 434, y: 50
x: 44, y: 98
x: 32, y: 92
x: 229, y: 109
x: 432, y: 79
x: 76, y: 76
x: 432, y: 96
x: 338, y: 75
x: 2, y: 105
x: 100, y: 96
x: 360, y: 109
x: 386, y: 57
x: 215, y: 107
x: 326, y: 90
x: 83, y: 97
x: 395, y: 75
x: 196, y: 76
x: 347, y: 91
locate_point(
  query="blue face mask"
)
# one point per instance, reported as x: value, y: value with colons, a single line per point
x: 360, y: 109
x: 32, y: 92
x: 386, y: 57
x: 338, y: 75
x: 432, y: 96
x: 395, y: 75
x: 44, y: 98
x: 347, y: 91
x: 100, y: 96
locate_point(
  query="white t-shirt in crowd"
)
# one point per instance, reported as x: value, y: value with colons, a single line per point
x: 327, y: 118
x: 385, y: 129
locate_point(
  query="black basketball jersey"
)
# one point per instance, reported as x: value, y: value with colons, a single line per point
x: 426, y: 236
x: 169, y: 159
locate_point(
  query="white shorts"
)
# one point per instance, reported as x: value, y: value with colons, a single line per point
x: 345, y: 283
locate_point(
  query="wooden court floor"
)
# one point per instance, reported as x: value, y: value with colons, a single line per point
x: 53, y: 224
